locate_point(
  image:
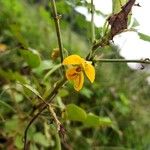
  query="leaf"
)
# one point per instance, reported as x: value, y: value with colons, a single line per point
x: 15, y: 76
x: 74, y: 113
x: 63, y: 93
x: 41, y: 139
x: 95, y: 121
x: 144, y: 37
x: 124, y: 99
x: 32, y: 57
x: 18, y: 142
x: 44, y: 65
x: 33, y: 147
x: 2, y: 103
x: 116, y: 5
x: 11, y: 126
x: 15, y: 28
x: 33, y: 90
x: 86, y: 92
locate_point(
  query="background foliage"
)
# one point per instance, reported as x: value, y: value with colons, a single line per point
x: 111, y: 113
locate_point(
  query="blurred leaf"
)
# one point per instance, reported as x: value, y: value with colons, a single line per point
x: 41, y: 139
x: 144, y: 37
x: 63, y: 93
x: 33, y: 147
x: 33, y: 90
x: 17, y: 33
x: 32, y: 57
x: 18, y: 97
x: 74, y: 113
x: 124, y: 99
x: 18, y: 142
x: 4, y: 104
x: 86, y: 92
x: 11, y: 126
x: 3, y: 47
x: 45, y: 65
x: 9, y: 75
x: 121, y: 107
x: 95, y: 121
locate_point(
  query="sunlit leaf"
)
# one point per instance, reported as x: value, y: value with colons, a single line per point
x: 18, y: 142
x: 32, y: 57
x: 63, y: 92
x: 93, y: 120
x: 74, y: 113
x: 116, y: 5
x: 41, y: 139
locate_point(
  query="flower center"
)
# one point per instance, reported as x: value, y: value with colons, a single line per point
x: 78, y: 69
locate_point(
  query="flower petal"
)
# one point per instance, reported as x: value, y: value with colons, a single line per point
x: 78, y: 81
x: 73, y: 60
x: 89, y: 71
x: 71, y: 73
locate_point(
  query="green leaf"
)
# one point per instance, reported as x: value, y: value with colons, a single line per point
x: 15, y: 28
x: 63, y: 93
x: 86, y: 92
x: 41, y: 139
x: 19, y: 142
x: 45, y: 65
x: 33, y: 90
x: 124, y: 99
x: 33, y: 147
x: 144, y: 37
x: 32, y: 57
x: 116, y: 5
x: 11, y: 126
x: 15, y: 76
x: 74, y: 113
x: 95, y: 121
x: 4, y: 104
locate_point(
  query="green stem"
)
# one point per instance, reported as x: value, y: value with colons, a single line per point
x: 57, y: 26
x: 89, y: 56
x: 92, y: 22
x: 146, y: 61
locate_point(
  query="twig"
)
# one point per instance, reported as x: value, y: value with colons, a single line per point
x: 51, y: 110
x: 145, y: 61
x: 42, y: 108
x: 57, y: 26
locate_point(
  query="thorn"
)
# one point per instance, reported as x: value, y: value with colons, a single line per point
x: 137, y: 5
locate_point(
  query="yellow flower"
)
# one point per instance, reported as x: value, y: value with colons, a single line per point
x: 77, y: 66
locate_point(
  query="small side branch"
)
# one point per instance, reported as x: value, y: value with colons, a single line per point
x: 145, y: 61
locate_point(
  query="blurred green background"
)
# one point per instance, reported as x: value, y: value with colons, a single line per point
x: 112, y: 113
